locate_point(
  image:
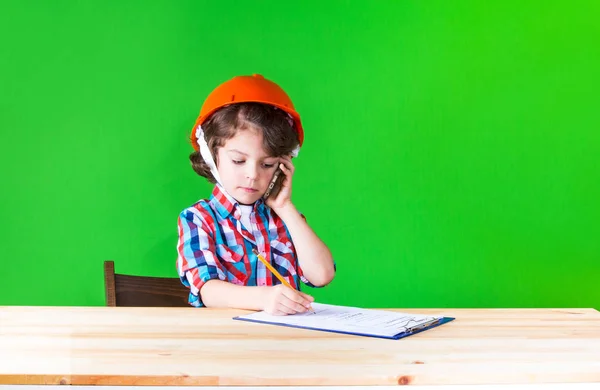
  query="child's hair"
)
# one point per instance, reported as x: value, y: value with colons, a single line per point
x: 279, y: 136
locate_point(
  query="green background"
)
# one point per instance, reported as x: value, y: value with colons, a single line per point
x: 450, y: 160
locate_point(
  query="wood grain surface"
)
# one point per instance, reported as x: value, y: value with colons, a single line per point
x: 187, y: 346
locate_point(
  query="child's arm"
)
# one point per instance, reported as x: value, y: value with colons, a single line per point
x: 313, y: 255
x: 276, y: 300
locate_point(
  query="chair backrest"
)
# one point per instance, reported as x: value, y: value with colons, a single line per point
x: 129, y: 290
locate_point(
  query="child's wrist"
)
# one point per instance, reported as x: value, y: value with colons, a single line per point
x: 286, y: 211
x: 263, y: 297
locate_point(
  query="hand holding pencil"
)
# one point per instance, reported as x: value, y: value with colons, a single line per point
x: 283, y: 299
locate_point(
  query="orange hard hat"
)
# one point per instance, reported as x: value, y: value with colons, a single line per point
x: 244, y: 89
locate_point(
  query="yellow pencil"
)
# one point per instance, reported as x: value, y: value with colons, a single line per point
x: 274, y: 271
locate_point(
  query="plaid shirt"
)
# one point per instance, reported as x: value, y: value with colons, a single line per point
x: 213, y: 244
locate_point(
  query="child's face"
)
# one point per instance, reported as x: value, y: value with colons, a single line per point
x: 244, y: 167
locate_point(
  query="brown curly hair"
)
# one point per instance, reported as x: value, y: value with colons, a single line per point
x: 279, y: 135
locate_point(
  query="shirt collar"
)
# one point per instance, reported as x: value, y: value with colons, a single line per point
x: 226, y: 205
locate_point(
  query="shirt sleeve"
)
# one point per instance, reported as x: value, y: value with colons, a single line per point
x: 196, y: 260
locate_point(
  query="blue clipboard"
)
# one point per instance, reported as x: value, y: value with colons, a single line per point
x: 417, y: 329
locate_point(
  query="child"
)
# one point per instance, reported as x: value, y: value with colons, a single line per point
x: 247, y: 128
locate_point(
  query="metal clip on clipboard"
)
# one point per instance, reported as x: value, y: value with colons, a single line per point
x: 424, y: 325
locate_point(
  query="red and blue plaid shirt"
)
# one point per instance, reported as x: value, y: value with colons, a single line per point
x: 214, y: 244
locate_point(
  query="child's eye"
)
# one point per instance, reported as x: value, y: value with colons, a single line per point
x: 268, y: 165
x: 237, y: 162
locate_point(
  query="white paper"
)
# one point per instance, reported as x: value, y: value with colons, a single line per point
x: 349, y: 319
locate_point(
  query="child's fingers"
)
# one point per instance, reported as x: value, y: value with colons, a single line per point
x: 285, y: 308
x: 297, y: 300
x: 284, y: 168
x: 290, y: 305
x: 287, y: 164
x: 288, y: 175
x: 294, y: 295
x: 307, y: 297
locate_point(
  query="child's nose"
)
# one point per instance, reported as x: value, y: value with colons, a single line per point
x: 251, y: 172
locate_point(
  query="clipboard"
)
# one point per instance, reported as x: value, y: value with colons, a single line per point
x: 345, y: 326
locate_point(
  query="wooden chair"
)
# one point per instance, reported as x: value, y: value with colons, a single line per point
x: 129, y: 290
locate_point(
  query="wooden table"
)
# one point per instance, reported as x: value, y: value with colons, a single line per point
x: 205, y: 347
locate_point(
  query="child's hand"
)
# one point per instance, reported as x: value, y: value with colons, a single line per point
x: 284, y: 197
x: 282, y: 300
